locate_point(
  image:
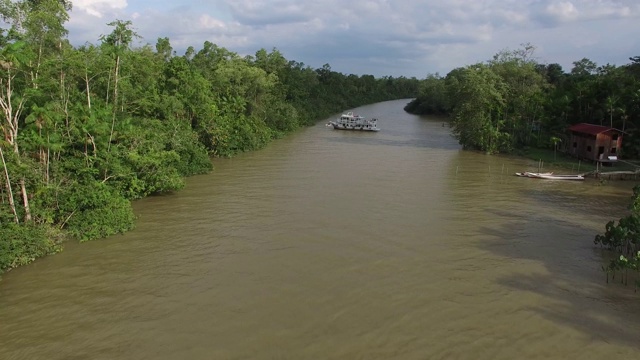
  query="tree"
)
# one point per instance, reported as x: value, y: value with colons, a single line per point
x: 12, y: 101
x: 523, y: 92
x: 7, y: 179
x: 432, y: 97
x: 164, y: 49
x: 117, y: 42
x: 555, y: 140
x: 584, y: 67
x: 476, y: 95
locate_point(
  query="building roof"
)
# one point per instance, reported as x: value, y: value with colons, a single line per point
x: 592, y: 129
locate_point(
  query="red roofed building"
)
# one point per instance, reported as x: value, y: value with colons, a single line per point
x: 594, y: 142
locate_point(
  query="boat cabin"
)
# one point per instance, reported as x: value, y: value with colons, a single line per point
x: 594, y: 142
x: 351, y: 121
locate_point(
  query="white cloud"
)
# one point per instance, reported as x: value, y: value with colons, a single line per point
x: 99, y: 7
x: 555, y: 12
x: 564, y: 11
x: 208, y: 22
x: 380, y: 37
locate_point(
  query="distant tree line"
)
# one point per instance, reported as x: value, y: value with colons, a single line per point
x: 512, y: 101
x: 87, y: 129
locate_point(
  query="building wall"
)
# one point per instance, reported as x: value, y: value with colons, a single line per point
x: 581, y: 145
x: 595, y: 147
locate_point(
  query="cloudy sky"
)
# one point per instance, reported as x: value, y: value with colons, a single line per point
x: 379, y: 37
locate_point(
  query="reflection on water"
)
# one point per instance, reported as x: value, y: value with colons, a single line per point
x: 339, y: 245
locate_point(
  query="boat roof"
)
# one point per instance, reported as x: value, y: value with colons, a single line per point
x: 592, y: 129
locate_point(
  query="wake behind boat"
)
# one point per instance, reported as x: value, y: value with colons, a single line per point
x: 550, y: 176
x: 350, y: 121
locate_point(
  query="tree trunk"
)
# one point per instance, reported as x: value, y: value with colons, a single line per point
x: 48, y: 158
x: 25, y: 200
x: 11, y: 201
x: 12, y: 117
x: 115, y: 102
x: 86, y: 80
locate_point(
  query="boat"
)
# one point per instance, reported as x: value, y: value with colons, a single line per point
x: 530, y: 174
x: 550, y: 176
x: 351, y: 121
x: 558, y: 177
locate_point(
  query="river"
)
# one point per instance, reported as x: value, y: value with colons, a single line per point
x: 340, y: 245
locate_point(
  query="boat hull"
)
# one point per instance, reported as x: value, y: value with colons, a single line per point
x: 550, y: 176
x: 354, y: 128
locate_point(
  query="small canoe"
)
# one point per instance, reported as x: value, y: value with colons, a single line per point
x: 550, y: 176
x: 530, y: 174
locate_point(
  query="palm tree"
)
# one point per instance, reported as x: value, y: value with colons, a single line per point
x: 555, y: 140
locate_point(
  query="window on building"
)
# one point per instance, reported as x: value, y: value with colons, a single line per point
x: 600, y: 150
x: 613, y: 150
x: 614, y: 137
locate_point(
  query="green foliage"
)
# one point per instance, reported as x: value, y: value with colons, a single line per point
x: 145, y: 164
x: 476, y: 94
x: 623, y: 239
x: 192, y: 154
x: 512, y: 102
x: 93, y: 210
x: 623, y: 265
x: 432, y: 98
x: 22, y: 244
x: 87, y: 130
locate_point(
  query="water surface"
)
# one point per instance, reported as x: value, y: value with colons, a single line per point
x: 340, y: 245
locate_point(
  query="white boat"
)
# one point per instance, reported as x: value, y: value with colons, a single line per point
x: 350, y: 121
x: 530, y: 174
x: 550, y: 176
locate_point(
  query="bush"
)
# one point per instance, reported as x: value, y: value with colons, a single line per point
x: 21, y: 244
x: 98, y: 211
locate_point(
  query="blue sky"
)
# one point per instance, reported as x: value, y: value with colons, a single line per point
x: 379, y: 37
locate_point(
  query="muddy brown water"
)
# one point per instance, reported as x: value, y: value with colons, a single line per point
x: 340, y: 245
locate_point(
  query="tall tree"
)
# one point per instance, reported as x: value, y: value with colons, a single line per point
x: 476, y: 94
x: 12, y: 102
x: 116, y: 43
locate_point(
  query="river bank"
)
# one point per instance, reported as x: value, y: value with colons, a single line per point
x: 300, y: 251
x: 25, y: 242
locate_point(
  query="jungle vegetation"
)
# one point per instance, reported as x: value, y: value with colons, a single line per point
x: 87, y: 129
x: 512, y: 102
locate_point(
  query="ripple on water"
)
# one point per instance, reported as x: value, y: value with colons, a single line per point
x: 339, y: 245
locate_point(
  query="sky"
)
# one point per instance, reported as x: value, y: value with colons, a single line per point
x: 411, y: 38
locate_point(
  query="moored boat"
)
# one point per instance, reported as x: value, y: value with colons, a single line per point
x: 550, y: 176
x: 351, y: 121
x: 530, y: 174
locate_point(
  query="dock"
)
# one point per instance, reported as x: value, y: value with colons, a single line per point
x: 616, y: 175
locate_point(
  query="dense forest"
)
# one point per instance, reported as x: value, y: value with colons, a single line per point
x: 512, y: 102
x: 88, y: 129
